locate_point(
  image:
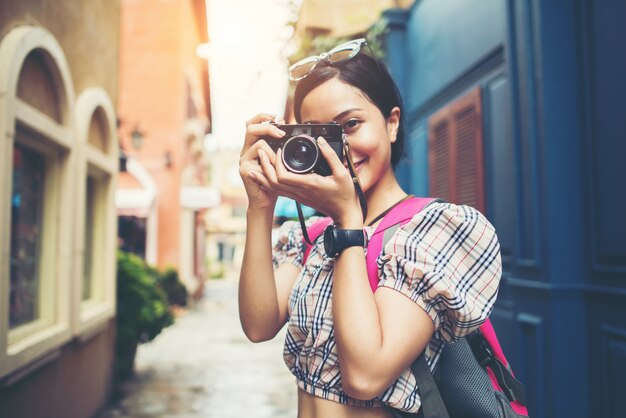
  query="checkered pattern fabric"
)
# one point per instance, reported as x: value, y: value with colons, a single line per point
x: 446, y: 259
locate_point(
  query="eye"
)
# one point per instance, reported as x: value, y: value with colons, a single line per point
x: 351, y: 125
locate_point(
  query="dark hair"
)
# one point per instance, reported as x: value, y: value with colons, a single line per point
x: 370, y: 76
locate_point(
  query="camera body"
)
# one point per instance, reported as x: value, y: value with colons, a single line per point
x: 300, y: 152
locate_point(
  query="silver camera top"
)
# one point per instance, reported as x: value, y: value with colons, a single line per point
x: 301, y: 130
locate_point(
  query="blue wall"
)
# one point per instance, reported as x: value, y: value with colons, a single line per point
x: 552, y: 76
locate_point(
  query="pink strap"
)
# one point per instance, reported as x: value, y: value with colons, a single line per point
x: 401, y: 214
x: 490, y: 335
x: 486, y: 329
x: 314, y: 231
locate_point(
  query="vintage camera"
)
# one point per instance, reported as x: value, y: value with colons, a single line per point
x: 300, y: 152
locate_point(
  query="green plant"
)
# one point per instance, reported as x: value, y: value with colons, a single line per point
x: 142, y: 309
x: 316, y: 44
x: 376, y: 35
x: 170, y: 283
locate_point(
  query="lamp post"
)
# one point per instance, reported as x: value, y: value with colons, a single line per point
x: 136, y: 140
x: 123, y: 159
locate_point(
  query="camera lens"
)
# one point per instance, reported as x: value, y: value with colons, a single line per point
x: 300, y: 154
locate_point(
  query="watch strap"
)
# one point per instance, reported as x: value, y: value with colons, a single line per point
x: 336, y: 240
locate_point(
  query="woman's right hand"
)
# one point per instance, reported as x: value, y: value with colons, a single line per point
x: 257, y: 187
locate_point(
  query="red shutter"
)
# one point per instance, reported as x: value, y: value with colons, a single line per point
x: 440, y: 155
x: 456, y: 152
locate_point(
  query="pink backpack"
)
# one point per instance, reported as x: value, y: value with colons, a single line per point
x: 472, y: 379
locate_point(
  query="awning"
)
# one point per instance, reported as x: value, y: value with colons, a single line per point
x: 196, y: 197
x: 134, y: 202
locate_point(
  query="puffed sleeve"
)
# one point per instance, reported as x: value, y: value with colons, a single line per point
x: 447, y: 260
x: 289, y: 246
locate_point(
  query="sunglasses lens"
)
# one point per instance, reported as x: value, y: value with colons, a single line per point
x: 344, y: 52
x: 302, y: 68
x: 338, y: 54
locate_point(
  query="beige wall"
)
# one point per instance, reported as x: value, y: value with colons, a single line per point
x: 72, y: 380
x: 88, y: 31
x: 75, y: 385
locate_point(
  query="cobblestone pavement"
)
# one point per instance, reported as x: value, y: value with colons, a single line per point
x: 203, y: 366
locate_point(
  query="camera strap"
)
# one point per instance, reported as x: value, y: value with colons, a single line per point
x: 355, y: 178
x: 355, y: 182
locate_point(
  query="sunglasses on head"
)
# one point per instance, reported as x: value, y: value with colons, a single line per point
x: 337, y: 55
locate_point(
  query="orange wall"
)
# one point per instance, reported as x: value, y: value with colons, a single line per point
x: 158, y: 47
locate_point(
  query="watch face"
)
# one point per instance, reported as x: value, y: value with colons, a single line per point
x: 329, y: 241
x: 336, y: 240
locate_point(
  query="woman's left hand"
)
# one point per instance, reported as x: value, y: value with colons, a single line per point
x: 333, y: 195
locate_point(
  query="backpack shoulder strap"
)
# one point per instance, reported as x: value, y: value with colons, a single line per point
x: 488, y: 352
x: 432, y: 403
x: 396, y: 217
x: 314, y: 231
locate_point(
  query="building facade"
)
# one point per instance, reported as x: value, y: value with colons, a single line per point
x: 516, y: 108
x: 341, y: 19
x: 58, y: 166
x: 226, y: 223
x: 164, y: 115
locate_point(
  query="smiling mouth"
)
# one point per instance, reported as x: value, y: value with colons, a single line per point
x: 357, y: 164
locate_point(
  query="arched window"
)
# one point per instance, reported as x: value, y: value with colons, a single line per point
x: 95, y: 227
x: 37, y: 168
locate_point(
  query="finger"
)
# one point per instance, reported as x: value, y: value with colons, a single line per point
x: 268, y: 168
x: 259, y: 179
x: 261, y: 117
x: 335, y: 164
x: 285, y: 176
x: 279, y: 164
x: 255, y: 133
x: 252, y: 153
x: 294, y: 183
x: 258, y: 126
x: 268, y: 150
x: 246, y: 168
x: 288, y: 184
x: 264, y: 129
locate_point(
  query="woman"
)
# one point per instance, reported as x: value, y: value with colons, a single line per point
x: 351, y: 349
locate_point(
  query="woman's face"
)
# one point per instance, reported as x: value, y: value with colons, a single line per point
x: 370, y: 135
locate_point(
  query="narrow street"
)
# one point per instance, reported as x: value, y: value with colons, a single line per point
x: 203, y: 366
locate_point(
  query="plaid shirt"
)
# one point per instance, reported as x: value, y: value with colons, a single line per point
x: 446, y: 259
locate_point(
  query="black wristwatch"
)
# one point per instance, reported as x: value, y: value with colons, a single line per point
x: 336, y: 240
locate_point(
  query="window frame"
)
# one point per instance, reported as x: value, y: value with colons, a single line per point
x: 15, y: 47
x: 92, y: 315
x: 48, y: 257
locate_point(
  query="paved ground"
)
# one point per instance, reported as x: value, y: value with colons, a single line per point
x: 203, y: 366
